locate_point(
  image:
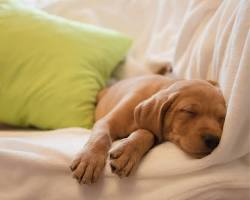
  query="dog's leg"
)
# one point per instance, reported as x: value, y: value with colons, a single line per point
x: 89, y: 163
x: 118, y: 123
x: 129, y: 151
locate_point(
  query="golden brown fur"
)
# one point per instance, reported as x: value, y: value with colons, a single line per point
x: 147, y: 110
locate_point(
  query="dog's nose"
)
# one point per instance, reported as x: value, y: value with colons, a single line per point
x: 211, y: 141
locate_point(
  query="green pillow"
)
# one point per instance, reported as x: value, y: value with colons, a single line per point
x: 51, y: 68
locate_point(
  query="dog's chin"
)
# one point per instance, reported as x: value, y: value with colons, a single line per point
x: 199, y: 155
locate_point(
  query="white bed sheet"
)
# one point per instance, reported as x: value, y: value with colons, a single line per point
x: 203, y: 39
x: 35, y: 165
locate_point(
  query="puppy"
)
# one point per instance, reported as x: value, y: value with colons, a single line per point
x: 145, y: 111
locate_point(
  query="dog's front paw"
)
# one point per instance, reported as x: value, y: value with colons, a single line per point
x: 88, y: 165
x: 123, y: 158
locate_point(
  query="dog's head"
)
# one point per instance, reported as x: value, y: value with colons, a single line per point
x: 189, y: 113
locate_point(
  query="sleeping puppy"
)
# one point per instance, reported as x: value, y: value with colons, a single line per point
x: 145, y: 111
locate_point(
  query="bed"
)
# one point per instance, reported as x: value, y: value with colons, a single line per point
x: 200, y: 39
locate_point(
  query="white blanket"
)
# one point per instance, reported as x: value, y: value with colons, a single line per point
x: 202, y: 39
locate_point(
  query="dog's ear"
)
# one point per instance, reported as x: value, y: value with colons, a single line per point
x: 214, y: 83
x: 150, y: 113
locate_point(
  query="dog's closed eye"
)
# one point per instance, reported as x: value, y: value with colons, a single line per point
x: 188, y: 111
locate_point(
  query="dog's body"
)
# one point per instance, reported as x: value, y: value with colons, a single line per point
x: 146, y: 110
